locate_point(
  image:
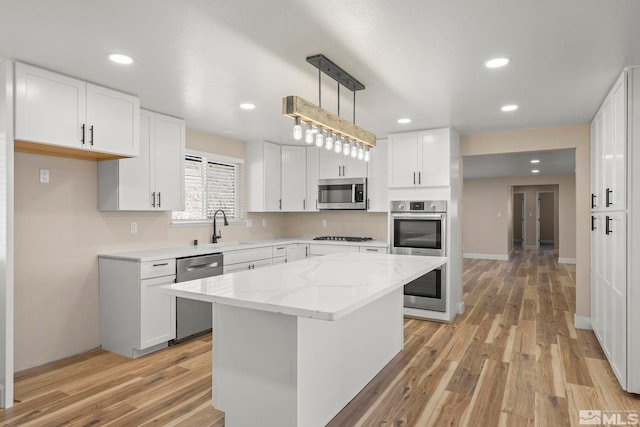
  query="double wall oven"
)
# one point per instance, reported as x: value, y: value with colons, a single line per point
x: 418, y: 227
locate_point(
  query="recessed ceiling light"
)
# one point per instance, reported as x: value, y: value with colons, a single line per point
x: 119, y: 58
x: 511, y: 107
x: 496, y: 62
x: 247, y: 106
x: 535, y: 171
x: 535, y: 161
x: 404, y: 121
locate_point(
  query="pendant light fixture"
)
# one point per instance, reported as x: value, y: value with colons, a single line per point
x: 341, y: 135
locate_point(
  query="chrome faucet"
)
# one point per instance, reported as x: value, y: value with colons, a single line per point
x: 217, y: 235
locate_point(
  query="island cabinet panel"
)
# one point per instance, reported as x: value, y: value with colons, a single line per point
x: 248, y: 259
x: 54, y: 109
x: 297, y: 371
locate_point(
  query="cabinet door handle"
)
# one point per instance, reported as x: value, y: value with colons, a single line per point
x: 304, y: 204
x: 91, y: 133
x: 593, y: 223
x: 280, y: 204
x: 608, y: 202
x: 371, y: 250
x: 414, y: 178
x: 339, y: 170
x: 306, y: 251
x: 316, y: 204
x: 593, y: 200
x: 419, y: 177
x: 159, y: 199
x: 83, y: 132
x: 153, y: 199
x: 607, y: 230
x: 161, y: 264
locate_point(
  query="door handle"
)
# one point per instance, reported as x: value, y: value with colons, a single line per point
x: 199, y: 266
x: 159, y: 200
x: 353, y: 193
x: 593, y: 200
x: 91, y: 133
x: 607, y: 230
x: 83, y: 132
x: 414, y: 178
x: 304, y: 204
x: 280, y: 204
x: 419, y: 178
x: 607, y: 201
x: 153, y: 199
x: 593, y: 223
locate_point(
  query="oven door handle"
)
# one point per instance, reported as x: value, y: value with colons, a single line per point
x: 418, y: 216
x: 353, y: 193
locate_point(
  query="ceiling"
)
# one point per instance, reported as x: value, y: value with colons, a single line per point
x: 551, y: 162
x: 422, y: 59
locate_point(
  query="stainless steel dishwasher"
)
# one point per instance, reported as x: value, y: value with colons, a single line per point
x: 193, y: 317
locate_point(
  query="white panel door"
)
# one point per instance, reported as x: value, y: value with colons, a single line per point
x: 134, y: 184
x: 303, y: 251
x: 618, y: 259
x: 435, y: 158
x: 607, y: 153
x: 294, y: 178
x: 157, y: 312
x: 377, y: 178
x: 619, y: 145
x: 112, y: 121
x: 50, y: 107
x: 313, y: 174
x: 403, y: 159
x: 597, y: 168
x: 272, y: 184
x: 331, y: 164
x: 168, y: 162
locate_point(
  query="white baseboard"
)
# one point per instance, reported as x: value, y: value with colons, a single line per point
x: 566, y: 260
x: 581, y: 322
x: 461, y: 308
x: 486, y: 256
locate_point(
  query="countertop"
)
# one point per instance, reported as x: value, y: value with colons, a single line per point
x: 146, y: 255
x: 325, y: 288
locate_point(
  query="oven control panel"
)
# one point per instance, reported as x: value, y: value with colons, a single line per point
x: 419, y: 206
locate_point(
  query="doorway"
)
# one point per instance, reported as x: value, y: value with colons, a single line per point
x: 519, y: 220
x: 545, y: 223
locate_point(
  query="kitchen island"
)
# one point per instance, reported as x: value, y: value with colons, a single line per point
x: 294, y: 343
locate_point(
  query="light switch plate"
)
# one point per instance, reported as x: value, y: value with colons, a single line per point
x: 44, y: 176
x: 134, y: 227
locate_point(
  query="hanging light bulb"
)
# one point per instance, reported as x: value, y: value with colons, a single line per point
x: 360, y: 152
x: 337, y: 146
x: 308, y: 135
x: 354, y: 150
x: 328, y: 141
x: 319, y: 138
x: 367, y: 154
x: 297, y: 130
x: 346, y: 148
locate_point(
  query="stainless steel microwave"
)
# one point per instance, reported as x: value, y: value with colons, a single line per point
x: 342, y: 193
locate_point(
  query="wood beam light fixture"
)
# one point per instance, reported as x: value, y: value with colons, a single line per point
x: 323, y: 127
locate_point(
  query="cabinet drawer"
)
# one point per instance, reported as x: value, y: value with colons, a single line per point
x: 279, y: 251
x: 246, y: 255
x: 331, y: 249
x: 244, y: 266
x: 369, y: 249
x: 162, y: 267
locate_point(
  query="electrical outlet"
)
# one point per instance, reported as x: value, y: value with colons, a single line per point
x: 44, y: 176
x: 264, y: 222
x: 249, y: 223
x: 134, y: 227
x: 499, y: 214
x: 324, y: 223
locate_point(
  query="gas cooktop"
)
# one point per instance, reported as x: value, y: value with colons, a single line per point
x: 344, y: 238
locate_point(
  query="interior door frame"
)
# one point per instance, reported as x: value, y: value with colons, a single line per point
x: 524, y: 217
x: 538, y: 193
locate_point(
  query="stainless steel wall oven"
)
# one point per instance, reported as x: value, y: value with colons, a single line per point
x: 419, y: 227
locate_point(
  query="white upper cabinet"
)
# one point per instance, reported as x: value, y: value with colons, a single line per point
x: 272, y: 177
x: 608, y: 151
x: 155, y: 179
x: 313, y: 174
x: 54, y: 109
x: 377, y: 181
x: 420, y: 159
x: 294, y: 178
x: 335, y: 165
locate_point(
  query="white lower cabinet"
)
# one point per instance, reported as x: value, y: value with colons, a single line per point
x: 155, y: 326
x: 136, y: 318
x: 247, y: 259
x: 319, y: 250
x: 297, y: 252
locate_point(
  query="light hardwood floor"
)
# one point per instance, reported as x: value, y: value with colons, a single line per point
x: 514, y: 358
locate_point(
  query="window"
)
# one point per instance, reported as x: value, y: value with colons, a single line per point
x: 211, y: 182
